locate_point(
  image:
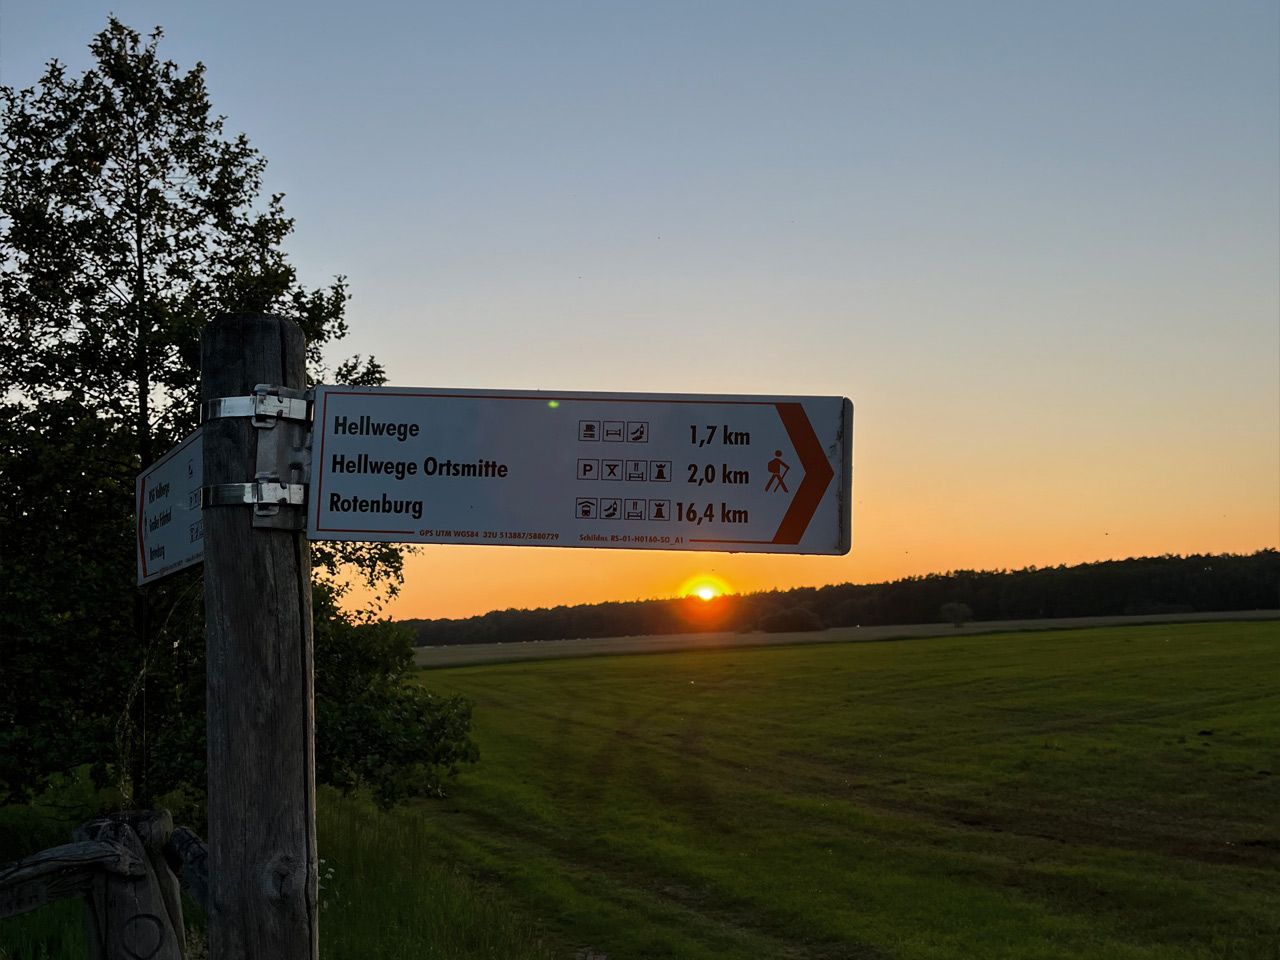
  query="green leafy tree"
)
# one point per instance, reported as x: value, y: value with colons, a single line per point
x: 128, y: 219
x: 402, y: 741
x: 64, y: 497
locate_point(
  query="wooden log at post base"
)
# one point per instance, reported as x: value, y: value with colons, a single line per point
x: 188, y: 857
x: 60, y: 872
x: 153, y: 829
x: 127, y: 916
x: 262, y: 838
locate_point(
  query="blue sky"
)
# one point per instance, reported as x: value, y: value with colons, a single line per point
x: 1036, y: 243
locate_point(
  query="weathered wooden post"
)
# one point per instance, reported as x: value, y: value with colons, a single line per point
x: 124, y: 865
x: 135, y: 915
x: 262, y: 833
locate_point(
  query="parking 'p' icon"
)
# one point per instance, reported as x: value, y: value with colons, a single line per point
x: 588, y: 469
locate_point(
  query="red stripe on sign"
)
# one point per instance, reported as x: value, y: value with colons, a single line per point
x: 817, y: 473
x: 142, y: 543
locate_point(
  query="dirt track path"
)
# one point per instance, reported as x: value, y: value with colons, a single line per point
x: 477, y: 653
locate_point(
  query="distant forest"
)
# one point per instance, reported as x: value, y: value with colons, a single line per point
x: 1145, y: 585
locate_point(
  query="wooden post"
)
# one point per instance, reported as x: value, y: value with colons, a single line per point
x: 262, y: 827
x: 138, y: 914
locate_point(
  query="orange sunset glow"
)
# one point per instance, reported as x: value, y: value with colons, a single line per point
x: 704, y: 586
x: 922, y: 505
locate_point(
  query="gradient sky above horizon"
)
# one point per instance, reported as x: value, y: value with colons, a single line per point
x: 1035, y: 243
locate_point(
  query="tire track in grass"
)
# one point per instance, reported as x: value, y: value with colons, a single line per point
x: 694, y: 925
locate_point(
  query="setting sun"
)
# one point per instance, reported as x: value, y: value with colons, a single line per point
x: 704, y: 586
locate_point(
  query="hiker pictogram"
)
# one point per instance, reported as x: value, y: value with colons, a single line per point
x: 778, y: 470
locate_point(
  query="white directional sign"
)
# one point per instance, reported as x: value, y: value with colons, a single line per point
x: 647, y: 471
x: 170, y: 528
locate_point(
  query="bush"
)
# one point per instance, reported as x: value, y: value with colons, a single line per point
x: 958, y: 613
x: 375, y: 727
x: 791, y: 620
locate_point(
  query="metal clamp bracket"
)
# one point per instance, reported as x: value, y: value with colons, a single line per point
x: 267, y: 405
x: 266, y: 494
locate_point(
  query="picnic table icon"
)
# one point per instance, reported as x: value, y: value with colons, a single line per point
x: 778, y: 470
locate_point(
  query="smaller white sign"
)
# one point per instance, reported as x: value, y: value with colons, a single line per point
x: 170, y: 521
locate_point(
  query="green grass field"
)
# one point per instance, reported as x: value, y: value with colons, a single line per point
x: 1095, y: 793
x: 1091, y: 793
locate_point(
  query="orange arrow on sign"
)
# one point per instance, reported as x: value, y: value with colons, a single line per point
x: 817, y: 477
x: 817, y: 473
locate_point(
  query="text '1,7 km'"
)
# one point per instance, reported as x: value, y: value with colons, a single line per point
x: 638, y: 471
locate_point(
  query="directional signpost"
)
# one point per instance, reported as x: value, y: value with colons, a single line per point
x: 170, y: 525
x: 615, y: 470
x: 637, y: 471
x: 625, y: 470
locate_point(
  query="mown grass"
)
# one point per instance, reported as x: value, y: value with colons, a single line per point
x: 1093, y: 793
x: 385, y: 893
x: 1107, y: 793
